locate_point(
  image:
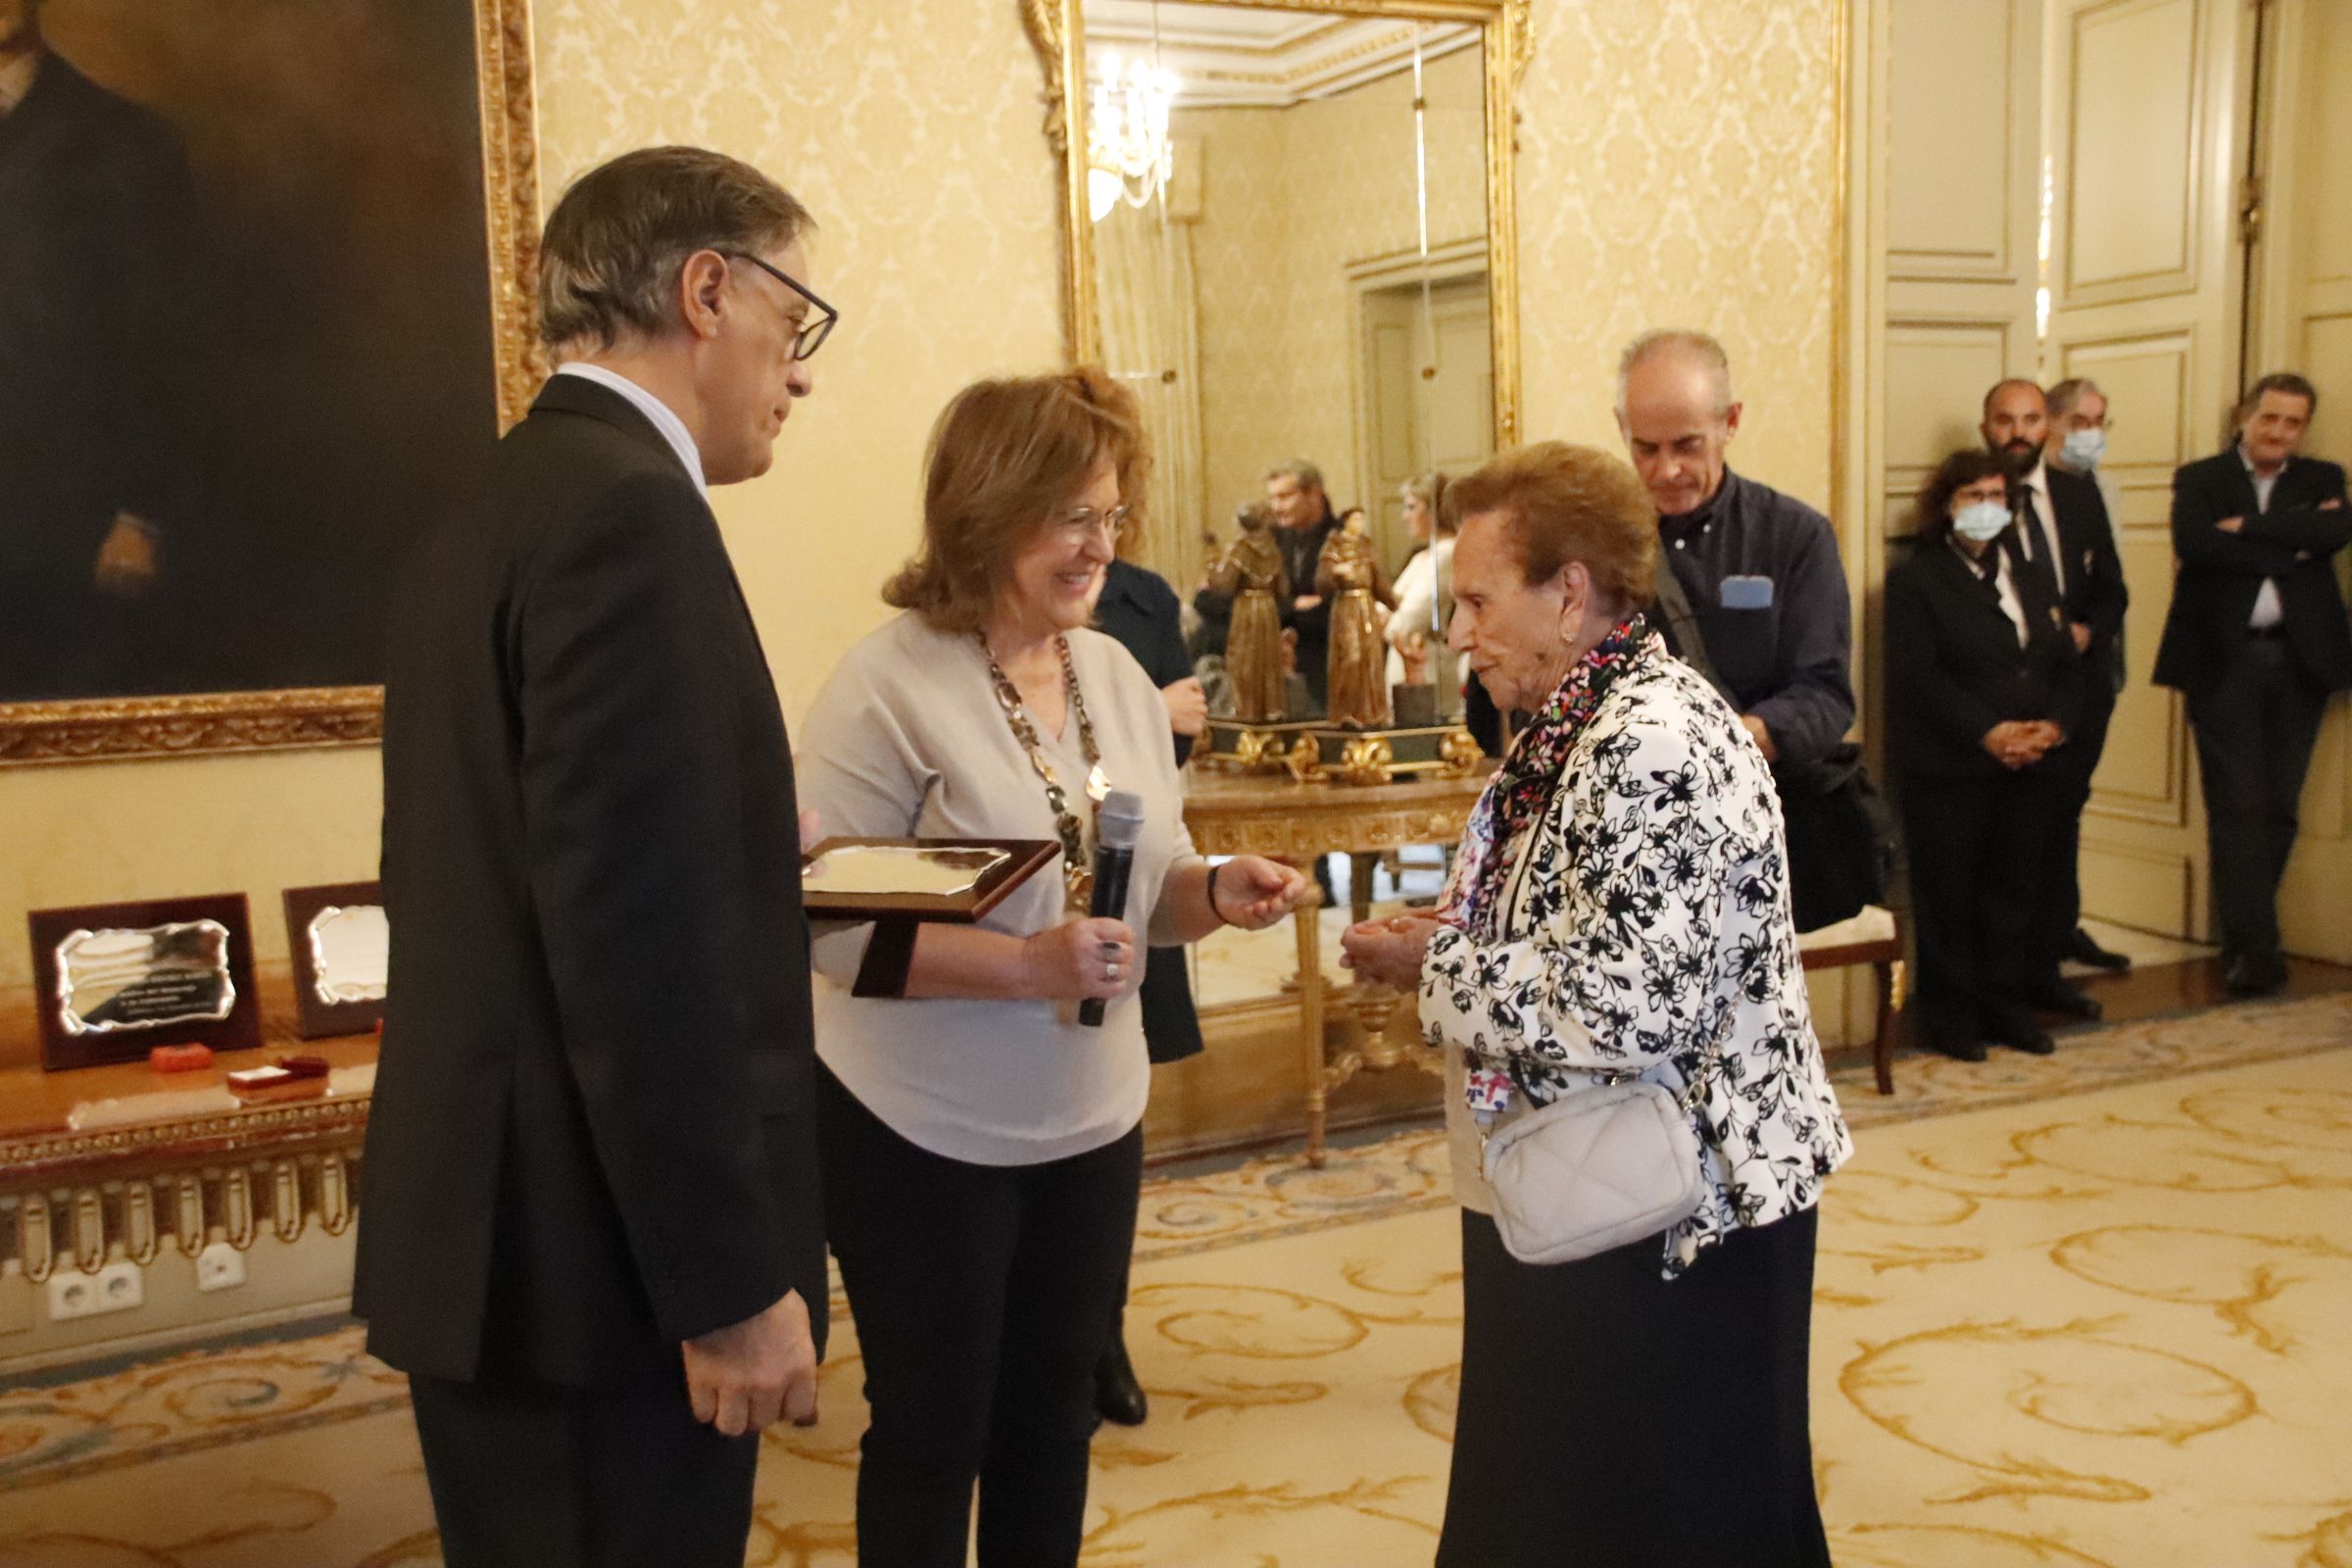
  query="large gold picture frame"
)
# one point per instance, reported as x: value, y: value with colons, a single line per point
x: 201, y: 723
x: 1056, y: 29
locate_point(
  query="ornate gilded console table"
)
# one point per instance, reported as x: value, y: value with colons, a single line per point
x: 121, y: 1164
x: 1284, y: 819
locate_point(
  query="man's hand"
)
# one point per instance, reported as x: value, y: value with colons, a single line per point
x: 1763, y: 734
x: 126, y: 559
x: 1305, y: 602
x: 1390, y: 950
x: 2331, y: 504
x: 1188, y: 706
x: 2082, y: 636
x: 741, y: 1377
x: 812, y: 828
x: 2231, y: 526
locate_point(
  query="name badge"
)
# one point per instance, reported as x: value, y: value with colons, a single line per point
x: 1746, y: 593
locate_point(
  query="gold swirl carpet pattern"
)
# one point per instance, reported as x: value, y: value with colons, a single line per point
x: 2081, y: 1312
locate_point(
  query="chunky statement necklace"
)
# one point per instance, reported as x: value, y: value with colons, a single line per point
x: 1077, y: 876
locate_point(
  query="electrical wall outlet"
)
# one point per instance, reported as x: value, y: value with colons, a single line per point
x: 220, y: 1267
x: 115, y: 1288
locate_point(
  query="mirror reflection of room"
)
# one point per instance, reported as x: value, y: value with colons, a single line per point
x: 1296, y: 288
x: 1289, y: 236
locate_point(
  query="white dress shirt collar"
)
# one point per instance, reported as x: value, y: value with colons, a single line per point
x: 2264, y: 483
x: 673, y: 429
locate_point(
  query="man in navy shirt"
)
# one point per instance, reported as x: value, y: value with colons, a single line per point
x: 1757, y: 596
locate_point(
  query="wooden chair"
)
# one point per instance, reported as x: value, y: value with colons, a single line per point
x: 1873, y: 938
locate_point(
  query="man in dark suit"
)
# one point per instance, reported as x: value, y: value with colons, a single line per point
x: 96, y: 231
x: 1303, y: 520
x: 2256, y: 639
x: 591, y: 1233
x: 2065, y: 537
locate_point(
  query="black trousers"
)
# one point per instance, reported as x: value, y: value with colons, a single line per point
x: 1982, y: 859
x: 2075, y: 762
x: 528, y: 1475
x: 983, y: 1297
x: 1615, y: 1418
x: 2255, y: 728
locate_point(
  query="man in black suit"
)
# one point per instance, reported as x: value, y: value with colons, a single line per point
x: 1303, y: 520
x: 97, y: 222
x: 2065, y: 538
x: 591, y: 1233
x: 2256, y: 639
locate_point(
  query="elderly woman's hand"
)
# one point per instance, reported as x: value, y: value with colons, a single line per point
x: 1390, y: 950
x: 1253, y: 893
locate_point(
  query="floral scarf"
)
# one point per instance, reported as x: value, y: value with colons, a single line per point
x: 1518, y: 794
x: 1522, y: 787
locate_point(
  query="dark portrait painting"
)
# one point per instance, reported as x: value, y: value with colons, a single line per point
x: 246, y: 339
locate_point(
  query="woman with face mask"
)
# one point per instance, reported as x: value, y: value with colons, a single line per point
x: 1983, y: 689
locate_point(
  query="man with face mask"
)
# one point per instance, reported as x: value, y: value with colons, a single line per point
x: 2063, y: 535
x: 1755, y: 598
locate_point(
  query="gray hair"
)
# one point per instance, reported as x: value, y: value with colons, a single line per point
x: 1309, y: 477
x: 2062, y: 398
x: 1663, y: 340
x: 617, y: 241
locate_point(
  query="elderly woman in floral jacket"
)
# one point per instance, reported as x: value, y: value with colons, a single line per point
x: 1620, y: 907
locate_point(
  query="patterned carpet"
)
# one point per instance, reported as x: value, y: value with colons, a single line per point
x: 2079, y: 1312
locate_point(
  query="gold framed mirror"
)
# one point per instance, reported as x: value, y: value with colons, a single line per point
x: 1309, y: 250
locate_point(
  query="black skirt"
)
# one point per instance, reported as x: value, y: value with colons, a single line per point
x: 1613, y: 1418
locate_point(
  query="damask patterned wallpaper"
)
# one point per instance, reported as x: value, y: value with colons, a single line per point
x: 1678, y: 163
x: 1679, y: 168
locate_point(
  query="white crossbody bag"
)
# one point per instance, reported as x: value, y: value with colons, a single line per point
x: 1600, y: 1166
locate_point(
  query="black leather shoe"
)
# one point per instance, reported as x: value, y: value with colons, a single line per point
x: 2056, y: 996
x: 2083, y: 949
x: 1951, y: 1037
x: 2018, y: 1033
x: 1117, y: 1395
x: 2255, y: 974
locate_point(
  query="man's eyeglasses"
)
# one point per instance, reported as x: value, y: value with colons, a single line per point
x: 811, y: 336
x: 1086, y: 522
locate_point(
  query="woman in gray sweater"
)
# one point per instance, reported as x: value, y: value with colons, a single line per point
x: 982, y: 1148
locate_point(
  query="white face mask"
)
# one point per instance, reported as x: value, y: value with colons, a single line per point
x: 1980, y: 521
x: 2083, y: 449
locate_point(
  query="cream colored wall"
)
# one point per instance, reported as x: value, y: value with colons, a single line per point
x: 912, y: 131
x: 1677, y: 165
x: 1289, y: 198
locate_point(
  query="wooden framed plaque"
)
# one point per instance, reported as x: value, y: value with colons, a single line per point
x: 340, y: 943
x: 115, y: 980
x: 899, y: 884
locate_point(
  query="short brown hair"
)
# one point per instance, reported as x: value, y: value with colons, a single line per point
x: 1565, y: 503
x: 1004, y: 458
x: 1933, y: 509
x: 615, y: 244
x: 2287, y: 381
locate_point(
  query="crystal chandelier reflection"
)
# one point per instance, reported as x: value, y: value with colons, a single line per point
x: 1128, y: 155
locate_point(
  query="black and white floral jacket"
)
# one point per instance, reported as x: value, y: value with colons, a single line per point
x: 1646, y: 929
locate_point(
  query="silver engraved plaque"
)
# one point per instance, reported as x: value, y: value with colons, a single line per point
x: 144, y: 978
x: 350, y: 953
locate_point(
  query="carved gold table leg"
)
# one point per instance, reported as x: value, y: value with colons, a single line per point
x: 1309, y: 921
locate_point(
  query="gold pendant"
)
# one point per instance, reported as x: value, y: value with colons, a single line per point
x: 1097, y: 784
x: 1081, y: 885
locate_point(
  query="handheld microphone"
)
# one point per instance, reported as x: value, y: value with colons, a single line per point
x: 1118, y: 825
